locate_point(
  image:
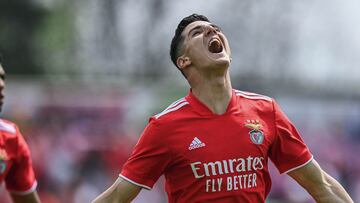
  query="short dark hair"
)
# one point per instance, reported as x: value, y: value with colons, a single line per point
x: 175, y: 48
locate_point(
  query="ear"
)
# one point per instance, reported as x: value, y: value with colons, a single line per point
x: 183, y: 62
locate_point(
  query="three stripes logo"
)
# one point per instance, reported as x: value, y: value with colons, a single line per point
x: 252, y: 96
x: 173, y: 107
x: 196, y: 143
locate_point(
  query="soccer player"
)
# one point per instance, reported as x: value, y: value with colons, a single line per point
x: 15, y: 161
x: 214, y: 144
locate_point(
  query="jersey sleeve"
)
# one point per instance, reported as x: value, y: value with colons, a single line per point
x: 21, y: 178
x: 149, y: 158
x: 288, y: 152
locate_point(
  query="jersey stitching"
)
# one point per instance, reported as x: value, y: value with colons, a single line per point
x: 134, y: 182
x: 299, y: 166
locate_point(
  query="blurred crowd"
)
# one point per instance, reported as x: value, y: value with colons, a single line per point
x: 78, y: 152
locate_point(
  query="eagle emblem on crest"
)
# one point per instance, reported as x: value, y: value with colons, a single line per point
x: 256, y: 134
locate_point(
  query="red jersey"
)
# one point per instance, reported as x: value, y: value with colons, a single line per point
x: 15, y: 161
x: 216, y: 158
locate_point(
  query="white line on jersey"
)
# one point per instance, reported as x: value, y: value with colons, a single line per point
x: 173, y: 108
x: 250, y: 95
x: 175, y: 103
x: 7, y: 127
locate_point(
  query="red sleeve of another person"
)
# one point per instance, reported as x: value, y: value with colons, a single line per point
x: 21, y: 178
x: 149, y: 158
x: 288, y: 152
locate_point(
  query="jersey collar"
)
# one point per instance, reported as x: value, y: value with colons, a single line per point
x: 202, y: 109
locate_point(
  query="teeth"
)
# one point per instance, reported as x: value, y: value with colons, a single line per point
x: 214, y: 40
x: 215, y: 45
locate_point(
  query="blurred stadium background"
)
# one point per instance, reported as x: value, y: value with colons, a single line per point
x: 83, y: 76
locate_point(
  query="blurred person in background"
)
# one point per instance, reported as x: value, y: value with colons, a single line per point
x: 213, y: 145
x: 15, y: 161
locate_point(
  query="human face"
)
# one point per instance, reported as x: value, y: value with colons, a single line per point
x: 2, y: 86
x: 206, y: 45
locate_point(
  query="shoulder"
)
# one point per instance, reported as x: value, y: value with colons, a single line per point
x: 174, y: 110
x: 8, y: 126
x: 254, y: 100
x: 160, y: 124
x: 253, y: 96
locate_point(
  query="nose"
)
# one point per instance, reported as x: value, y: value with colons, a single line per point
x: 210, y: 30
x: 2, y: 84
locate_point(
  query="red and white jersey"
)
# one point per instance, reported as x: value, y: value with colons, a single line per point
x: 15, y: 161
x: 216, y: 158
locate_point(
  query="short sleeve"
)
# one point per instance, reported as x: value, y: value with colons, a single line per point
x: 149, y: 158
x: 288, y: 151
x: 21, y: 178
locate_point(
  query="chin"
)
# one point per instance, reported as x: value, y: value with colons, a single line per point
x: 224, y: 61
x: 219, y: 64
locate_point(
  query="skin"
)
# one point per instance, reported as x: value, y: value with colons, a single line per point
x: 31, y: 197
x: 320, y: 185
x: 207, y: 73
x: 28, y: 198
x: 121, y: 191
x: 208, y: 76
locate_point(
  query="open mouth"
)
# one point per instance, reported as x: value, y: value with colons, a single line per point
x: 215, y: 45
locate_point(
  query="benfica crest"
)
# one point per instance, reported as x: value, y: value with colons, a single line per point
x: 256, y: 135
x: 3, y: 159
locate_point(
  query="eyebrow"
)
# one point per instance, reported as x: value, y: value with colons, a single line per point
x: 195, y: 28
x: 215, y: 26
x: 199, y: 26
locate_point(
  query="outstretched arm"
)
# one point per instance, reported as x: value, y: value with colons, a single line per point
x: 320, y: 185
x: 121, y: 191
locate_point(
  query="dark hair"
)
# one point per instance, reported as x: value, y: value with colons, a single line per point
x: 176, y: 43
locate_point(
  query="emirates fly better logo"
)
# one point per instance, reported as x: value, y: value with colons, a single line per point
x: 228, y: 174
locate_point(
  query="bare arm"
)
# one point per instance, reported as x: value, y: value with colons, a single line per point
x: 121, y: 191
x: 28, y: 198
x: 320, y: 185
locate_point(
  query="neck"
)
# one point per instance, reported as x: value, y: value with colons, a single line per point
x: 214, y: 91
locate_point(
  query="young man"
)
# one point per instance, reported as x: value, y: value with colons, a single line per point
x: 214, y: 144
x: 15, y: 161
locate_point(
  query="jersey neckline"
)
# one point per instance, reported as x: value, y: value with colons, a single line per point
x: 203, y: 110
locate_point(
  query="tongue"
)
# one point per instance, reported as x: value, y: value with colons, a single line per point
x: 215, y: 46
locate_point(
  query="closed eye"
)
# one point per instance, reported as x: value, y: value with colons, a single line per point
x: 196, y: 32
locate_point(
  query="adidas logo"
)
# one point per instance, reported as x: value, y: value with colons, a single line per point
x: 196, y: 143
